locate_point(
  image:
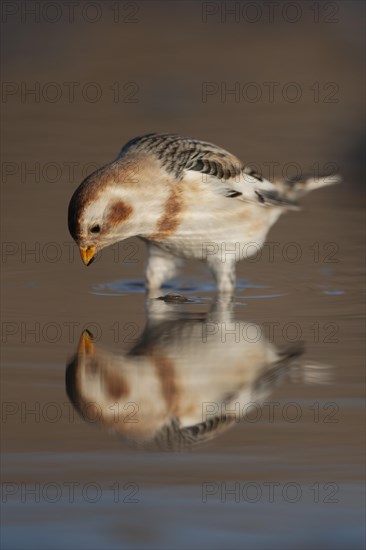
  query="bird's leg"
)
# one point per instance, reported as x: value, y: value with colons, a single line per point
x: 161, y: 266
x: 224, y: 273
x: 222, y: 310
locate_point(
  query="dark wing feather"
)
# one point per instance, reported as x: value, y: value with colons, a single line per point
x: 179, y: 154
x: 175, y: 437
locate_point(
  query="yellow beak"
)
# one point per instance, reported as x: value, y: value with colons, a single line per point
x: 87, y: 254
x: 86, y: 345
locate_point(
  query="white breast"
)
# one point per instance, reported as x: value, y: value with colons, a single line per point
x: 211, y: 221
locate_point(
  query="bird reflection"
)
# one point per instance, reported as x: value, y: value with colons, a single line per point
x: 188, y: 378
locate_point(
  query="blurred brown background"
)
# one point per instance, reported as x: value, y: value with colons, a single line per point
x: 104, y: 72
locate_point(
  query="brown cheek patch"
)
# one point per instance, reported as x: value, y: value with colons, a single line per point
x: 116, y: 386
x: 119, y: 212
x: 171, y: 217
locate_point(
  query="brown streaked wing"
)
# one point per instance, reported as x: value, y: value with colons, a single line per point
x: 179, y: 154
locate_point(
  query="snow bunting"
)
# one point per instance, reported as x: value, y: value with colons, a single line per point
x: 187, y: 199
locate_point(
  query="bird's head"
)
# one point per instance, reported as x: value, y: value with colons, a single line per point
x: 100, y: 213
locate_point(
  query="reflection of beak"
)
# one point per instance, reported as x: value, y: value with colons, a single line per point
x: 86, y: 345
x: 87, y: 254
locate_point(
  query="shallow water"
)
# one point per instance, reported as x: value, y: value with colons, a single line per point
x: 200, y: 424
x: 243, y: 418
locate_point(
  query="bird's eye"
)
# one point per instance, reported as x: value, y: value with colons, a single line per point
x: 95, y: 229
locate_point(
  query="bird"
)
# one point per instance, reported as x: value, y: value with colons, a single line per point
x: 186, y: 379
x: 187, y: 199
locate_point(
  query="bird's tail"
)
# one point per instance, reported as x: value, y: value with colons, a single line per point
x: 285, y: 193
x: 295, y: 188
